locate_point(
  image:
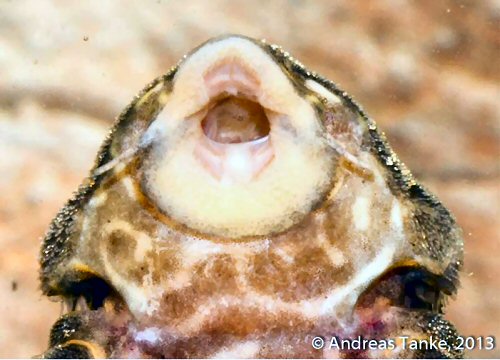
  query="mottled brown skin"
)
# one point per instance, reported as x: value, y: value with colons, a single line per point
x: 134, y: 264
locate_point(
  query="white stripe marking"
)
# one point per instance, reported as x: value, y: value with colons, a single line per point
x: 367, y: 274
x: 241, y: 350
x: 361, y: 213
x: 323, y: 91
x: 396, y: 216
x: 310, y: 308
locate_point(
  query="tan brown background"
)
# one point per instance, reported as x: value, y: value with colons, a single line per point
x: 427, y: 71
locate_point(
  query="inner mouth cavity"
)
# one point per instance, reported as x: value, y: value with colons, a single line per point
x: 234, y: 120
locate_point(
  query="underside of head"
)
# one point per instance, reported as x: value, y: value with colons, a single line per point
x: 235, y: 130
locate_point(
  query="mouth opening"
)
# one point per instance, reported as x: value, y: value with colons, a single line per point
x: 236, y: 144
x: 234, y: 120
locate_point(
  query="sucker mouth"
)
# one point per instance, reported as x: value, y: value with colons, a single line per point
x: 236, y: 143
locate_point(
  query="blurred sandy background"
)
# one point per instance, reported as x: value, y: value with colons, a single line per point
x: 427, y: 71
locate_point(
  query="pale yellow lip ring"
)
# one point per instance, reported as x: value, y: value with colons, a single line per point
x: 233, y: 162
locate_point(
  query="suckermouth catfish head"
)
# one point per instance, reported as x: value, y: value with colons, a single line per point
x: 242, y: 206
